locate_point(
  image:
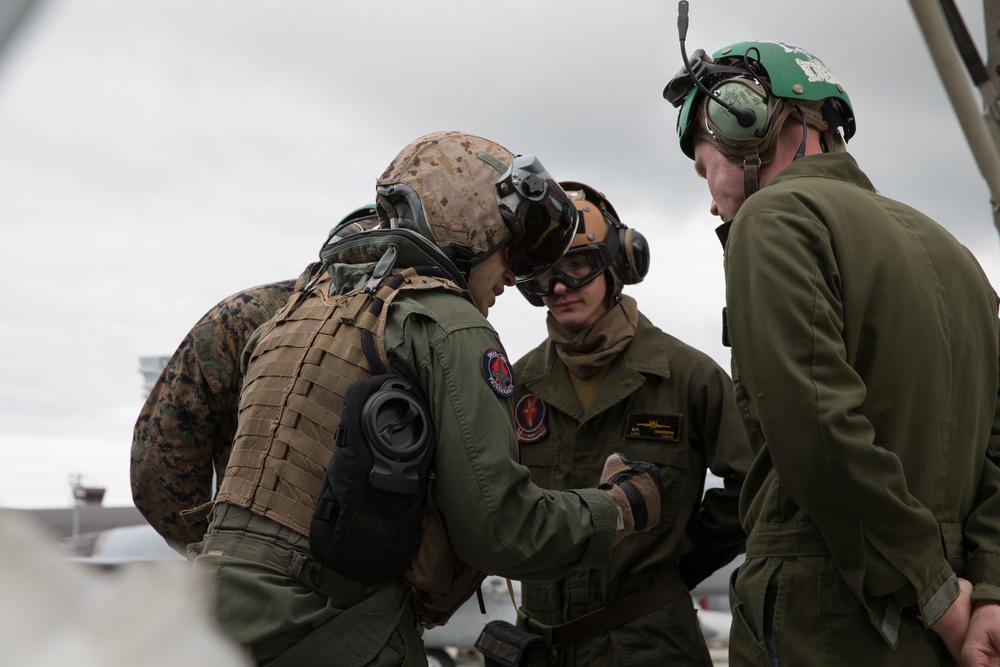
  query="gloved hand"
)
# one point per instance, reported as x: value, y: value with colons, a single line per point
x: 636, y: 488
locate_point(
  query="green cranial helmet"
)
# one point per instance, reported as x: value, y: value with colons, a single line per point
x: 773, y: 80
x: 360, y: 219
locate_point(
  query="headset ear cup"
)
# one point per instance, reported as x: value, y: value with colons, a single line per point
x: 633, y: 256
x: 742, y: 94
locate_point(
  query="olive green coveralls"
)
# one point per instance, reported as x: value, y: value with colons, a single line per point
x: 657, y: 378
x: 864, y: 341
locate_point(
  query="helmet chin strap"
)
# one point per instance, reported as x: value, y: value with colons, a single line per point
x: 751, y: 173
x: 805, y: 129
x: 752, y: 162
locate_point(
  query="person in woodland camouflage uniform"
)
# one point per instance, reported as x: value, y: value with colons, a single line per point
x: 184, y: 433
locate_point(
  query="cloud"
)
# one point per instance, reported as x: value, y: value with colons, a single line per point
x: 156, y: 157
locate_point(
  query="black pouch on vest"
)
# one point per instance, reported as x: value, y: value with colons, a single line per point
x: 367, y: 521
x: 506, y: 645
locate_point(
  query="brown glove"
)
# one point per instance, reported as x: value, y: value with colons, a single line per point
x: 636, y: 488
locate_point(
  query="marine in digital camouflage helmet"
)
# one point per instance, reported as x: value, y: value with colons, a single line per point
x: 766, y: 82
x: 472, y: 198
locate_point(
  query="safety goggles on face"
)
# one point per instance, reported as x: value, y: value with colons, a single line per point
x: 541, y: 218
x: 576, y: 269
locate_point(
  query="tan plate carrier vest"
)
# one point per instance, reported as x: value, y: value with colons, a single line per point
x: 293, y: 393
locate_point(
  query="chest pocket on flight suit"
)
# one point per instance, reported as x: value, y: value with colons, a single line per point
x: 659, y: 438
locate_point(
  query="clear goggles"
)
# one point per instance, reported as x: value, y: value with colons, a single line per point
x: 577, y: 268
x: 540, y: 216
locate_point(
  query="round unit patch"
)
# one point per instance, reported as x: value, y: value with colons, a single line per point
x: 498, y: 372
x: 529, y: 419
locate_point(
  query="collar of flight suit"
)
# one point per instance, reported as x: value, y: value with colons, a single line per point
x: 836, y: 166
x: 543, y: 373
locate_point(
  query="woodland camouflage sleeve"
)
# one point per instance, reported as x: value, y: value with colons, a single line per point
x: 174, y: 439
x: 186, y: 427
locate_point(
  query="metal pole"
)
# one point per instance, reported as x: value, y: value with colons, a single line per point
x: 13, y: 16
x: 981, y: 129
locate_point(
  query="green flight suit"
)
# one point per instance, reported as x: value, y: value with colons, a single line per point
x: 865, y: 349
x: 268, y: 592
x: 656, y: 378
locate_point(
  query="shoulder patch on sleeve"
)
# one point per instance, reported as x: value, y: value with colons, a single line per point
x: 498, y: 372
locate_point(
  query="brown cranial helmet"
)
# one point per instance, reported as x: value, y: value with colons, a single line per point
x: 602, y: 246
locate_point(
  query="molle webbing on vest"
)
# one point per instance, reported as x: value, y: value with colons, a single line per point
x: 294, y: 390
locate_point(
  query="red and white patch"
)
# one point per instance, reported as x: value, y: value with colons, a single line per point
x: 498, y: 372
x: 529, y: 419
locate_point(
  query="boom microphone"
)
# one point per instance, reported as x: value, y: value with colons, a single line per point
x: 745, y: 117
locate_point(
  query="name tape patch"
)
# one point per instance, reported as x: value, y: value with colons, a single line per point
x: 654, y: 426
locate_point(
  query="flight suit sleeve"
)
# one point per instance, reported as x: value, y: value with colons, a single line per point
x: 187, y: 420
x: 718, y: 535
x: 785, y: 318
x: 982, y: 529
x: 497, y: 519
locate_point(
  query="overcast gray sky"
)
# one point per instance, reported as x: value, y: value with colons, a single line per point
x: 158, y: 155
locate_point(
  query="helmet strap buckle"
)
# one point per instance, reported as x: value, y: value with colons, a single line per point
x: 382, y: 267
x: 751, y: 173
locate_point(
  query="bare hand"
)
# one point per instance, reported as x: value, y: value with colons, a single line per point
x: 954, y: 623
x: 982, y: 643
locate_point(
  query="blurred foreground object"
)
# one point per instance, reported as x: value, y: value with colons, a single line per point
x: 57, y: 613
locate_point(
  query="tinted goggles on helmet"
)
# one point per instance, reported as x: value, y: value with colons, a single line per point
x: 541, y: 218
x: 685, y: 91
x: 576, y: 269
x: 702, y: 67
